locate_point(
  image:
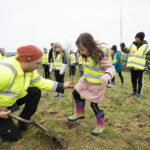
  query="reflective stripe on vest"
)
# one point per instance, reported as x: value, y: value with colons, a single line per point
x: 55, y: 86
x: 135, y: 60
x: 8, y: 91
x: 45, y: 58
x: 91, y: 76
x: 73, y: 59
x: 80, y: 60
x: 58, y: 62
x: 93, y: 68
x: 92, y: 71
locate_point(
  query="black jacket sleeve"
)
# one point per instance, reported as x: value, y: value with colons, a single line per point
x: 50, y: 56
x: 64, y: 58
x: 60, y: 87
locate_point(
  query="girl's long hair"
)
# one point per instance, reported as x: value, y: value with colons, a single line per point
x: 88, y: 41
x: 57, y: 45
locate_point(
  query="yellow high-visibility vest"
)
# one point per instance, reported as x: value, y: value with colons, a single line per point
x: 80, y: 60
x: 67, y: 55
x: 73, y: 59
x: 92, y: 71
x: 45, y: 58
x: 58, y: 62
x: 137, y: 57
x: 14, y: 82
x: 2, y: 56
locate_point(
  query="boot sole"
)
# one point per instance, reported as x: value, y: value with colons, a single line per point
x: 96, y: 134
x: 77, y: 119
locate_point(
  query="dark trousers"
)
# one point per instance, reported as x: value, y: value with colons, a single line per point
x: 59, y: 78
x: 121, y: 78
x: 46, y: 71
x: 8, y: 130
x: 137, y: 77
x: 81, y: 70
x: 94, y: 106
x: 72, y: 70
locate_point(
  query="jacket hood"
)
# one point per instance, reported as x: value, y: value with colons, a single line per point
x: 144, y: 42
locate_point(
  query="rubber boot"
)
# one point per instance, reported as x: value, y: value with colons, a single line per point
x: 79, y: 111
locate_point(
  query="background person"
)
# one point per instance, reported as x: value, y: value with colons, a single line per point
x: 72, y: 64
x: 138, y: 51
x: 59, y: 66
x: 45, y: 64
x: 116, y: 60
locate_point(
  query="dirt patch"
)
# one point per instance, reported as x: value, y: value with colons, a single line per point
x: 138, y: 116
x: 148, y: 139
x: 123, y: 128
x: 54, y: 141
x: 142, y: 125
x: 71, y: 125
x: 57, y: 142
x: 65, y: 115
x: 52, y: 112
x: 43, y: 112
x: 51, y: 104
x: 88, y: 139
x: 45, y: 95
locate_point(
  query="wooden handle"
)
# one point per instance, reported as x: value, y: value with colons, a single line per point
x: 20, y: 119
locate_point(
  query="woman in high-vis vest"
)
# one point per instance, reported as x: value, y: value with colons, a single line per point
x: 116, y: 61
x: 59, y: 66
x: 97, y: 71
x: 21, y: 84
x: 45, y: 64
x: 139, y: 52
x: 80, y: 61
x: 72, y: 64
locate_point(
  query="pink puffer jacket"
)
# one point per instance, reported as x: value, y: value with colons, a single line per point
x: 94, y: 92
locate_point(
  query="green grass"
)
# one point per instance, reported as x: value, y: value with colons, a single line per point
x: 127, y: 121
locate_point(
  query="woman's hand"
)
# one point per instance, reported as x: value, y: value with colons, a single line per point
x: 68, y: 85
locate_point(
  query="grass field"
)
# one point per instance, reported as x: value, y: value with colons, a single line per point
x: 127, y: 121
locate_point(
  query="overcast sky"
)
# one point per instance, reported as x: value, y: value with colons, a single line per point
x: 40, y: 22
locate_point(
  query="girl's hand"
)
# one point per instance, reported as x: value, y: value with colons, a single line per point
x: 68, y: 85
x: 105, y: 78
x: 4, y: 113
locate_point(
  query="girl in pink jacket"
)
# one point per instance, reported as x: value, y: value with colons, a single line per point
x: 97, y: 71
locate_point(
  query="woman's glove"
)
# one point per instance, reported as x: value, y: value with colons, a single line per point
x: 51, y: 67
x: 62, y: 70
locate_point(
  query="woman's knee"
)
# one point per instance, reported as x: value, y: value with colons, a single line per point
x: 95, y: 108
x: 76, y: 95
x: 34, y: 91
